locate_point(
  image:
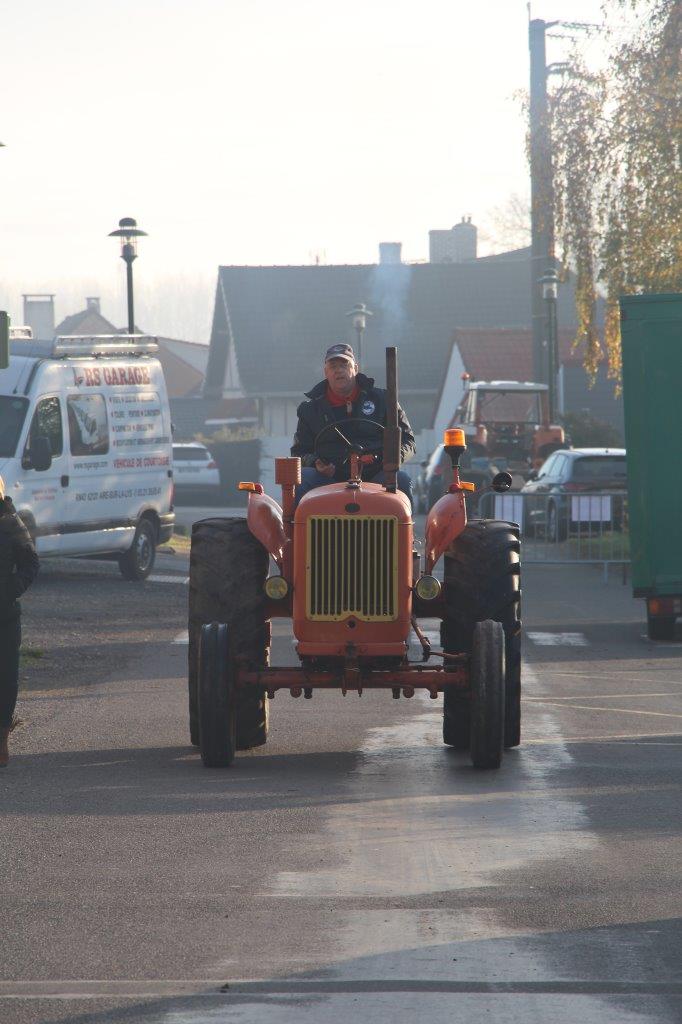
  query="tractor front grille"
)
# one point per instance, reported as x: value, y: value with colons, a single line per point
x: 352, y: 567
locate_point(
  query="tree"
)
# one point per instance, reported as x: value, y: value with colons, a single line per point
x: 617, y: 168
x: 509, y: 223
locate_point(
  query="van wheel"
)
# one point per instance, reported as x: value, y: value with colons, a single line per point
x: 138, y: 561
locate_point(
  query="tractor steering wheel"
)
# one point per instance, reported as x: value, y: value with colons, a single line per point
x: 332, y: 444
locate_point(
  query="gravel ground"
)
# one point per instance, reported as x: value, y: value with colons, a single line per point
x: 81, y: 619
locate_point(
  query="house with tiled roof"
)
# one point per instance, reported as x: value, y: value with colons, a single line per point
x: 507, y: 354
x: 271, y: 325
x: 183, y: 362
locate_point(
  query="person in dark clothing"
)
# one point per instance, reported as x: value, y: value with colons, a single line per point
x: 18, y: 569
x: 349, y: 399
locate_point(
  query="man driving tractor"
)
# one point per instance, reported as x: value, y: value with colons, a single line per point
x: 343, y: 410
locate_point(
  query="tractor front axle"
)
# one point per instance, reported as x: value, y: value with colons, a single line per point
x: 434, y: 679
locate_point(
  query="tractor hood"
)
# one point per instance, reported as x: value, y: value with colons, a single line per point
x: 340, y: 499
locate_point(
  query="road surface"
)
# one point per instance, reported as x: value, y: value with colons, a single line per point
x: 355, y: 868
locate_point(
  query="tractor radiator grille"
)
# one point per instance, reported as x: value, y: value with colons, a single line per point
x: 352, y: 567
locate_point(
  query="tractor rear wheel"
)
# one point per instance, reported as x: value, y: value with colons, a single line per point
x: 216, y: 697
x: 228, y: 568
x: 482, y: 581
x: 487, y: 694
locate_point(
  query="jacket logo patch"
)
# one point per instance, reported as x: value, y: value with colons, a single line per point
x: 368, y: 407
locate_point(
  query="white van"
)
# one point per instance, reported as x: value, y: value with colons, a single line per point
x: 85, y: 447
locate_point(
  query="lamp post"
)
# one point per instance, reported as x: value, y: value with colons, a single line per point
x: 358, y: 315
x: 129, y: 233
x: 550, y: 282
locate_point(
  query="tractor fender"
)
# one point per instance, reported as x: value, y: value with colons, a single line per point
x: 444, y: 523
x: 265, y: 520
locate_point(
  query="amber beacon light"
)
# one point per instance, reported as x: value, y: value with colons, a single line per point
x: 454, y: 438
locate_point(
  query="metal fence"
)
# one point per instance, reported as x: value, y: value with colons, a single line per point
x: 583, y: 528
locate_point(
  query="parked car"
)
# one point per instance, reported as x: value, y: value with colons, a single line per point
x: 553, y: 504
x: 436, y: 476
x: 195, y: 471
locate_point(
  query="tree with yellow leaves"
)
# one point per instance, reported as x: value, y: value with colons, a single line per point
x: 617, y: 168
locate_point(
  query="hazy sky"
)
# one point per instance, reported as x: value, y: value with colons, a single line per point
x: 248, y: 132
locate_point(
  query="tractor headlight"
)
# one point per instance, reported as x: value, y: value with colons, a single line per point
x: 276, y: 588
x: 427, y: 588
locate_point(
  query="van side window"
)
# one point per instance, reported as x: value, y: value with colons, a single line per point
x: 88, y: 425
x: 47, y: 422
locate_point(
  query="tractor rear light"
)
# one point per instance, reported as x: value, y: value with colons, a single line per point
x: 665, y: 606
x: 247, y: 485
x: 454, y: 438
x: 276, y: 588
x: 427, y: 588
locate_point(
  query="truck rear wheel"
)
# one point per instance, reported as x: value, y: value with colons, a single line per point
x: 661, y: 627
x: 228, y: 568
x: 482, y: 581
x: 216, y: 697
x: 487, y: 694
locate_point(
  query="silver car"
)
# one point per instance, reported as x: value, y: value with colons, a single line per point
x: 195, y: 470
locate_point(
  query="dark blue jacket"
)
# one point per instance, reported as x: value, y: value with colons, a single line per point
x: 370, y: 404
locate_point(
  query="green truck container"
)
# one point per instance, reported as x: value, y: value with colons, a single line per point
x: 651, y: 327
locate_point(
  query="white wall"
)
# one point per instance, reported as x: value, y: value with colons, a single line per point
x: 453, y: 389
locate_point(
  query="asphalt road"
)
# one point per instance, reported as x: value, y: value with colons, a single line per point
x: 355, y: 868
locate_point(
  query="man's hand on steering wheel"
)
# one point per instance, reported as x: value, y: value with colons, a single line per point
x: 325, y: 468
x: 333, y: 446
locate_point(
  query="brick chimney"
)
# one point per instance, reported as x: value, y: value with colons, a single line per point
x: 458, y: 245
x: 390, y: 252
x: 39, y: 316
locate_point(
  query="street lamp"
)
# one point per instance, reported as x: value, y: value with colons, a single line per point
x: 550, y: 282
x: 358, y: 315
x: 129, y: 233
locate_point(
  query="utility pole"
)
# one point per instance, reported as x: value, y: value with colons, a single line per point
x: 541, y: 193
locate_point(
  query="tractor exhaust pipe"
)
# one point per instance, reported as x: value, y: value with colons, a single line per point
x: 392, y: 437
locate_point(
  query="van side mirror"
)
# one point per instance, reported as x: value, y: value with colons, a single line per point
x: 40, y: 454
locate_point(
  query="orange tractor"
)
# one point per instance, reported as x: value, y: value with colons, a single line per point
x: 508, y: 422
x: 350, y: 579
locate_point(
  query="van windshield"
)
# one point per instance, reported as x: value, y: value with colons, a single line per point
x: 12, y: 415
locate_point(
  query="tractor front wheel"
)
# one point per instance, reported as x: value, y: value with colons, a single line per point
x: 482, y: 581
x: 227, y: 570
x: 487, y: 695
x: 216, y: 698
